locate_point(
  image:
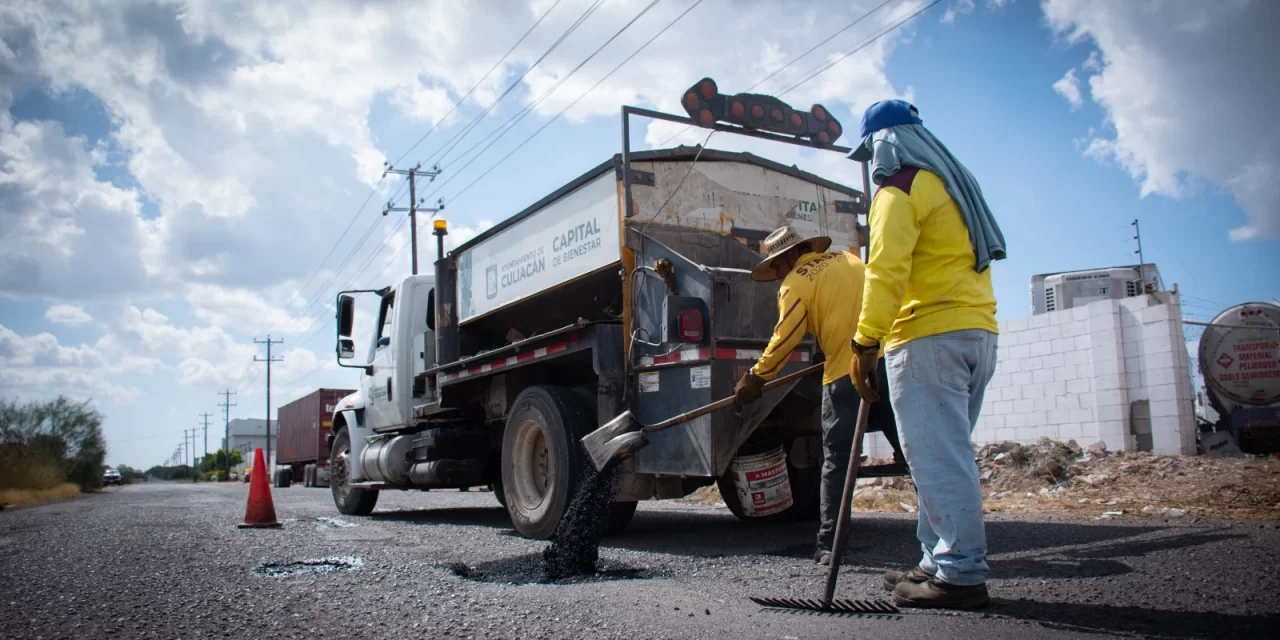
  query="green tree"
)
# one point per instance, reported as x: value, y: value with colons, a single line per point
x: 130, y: 475
x: 51, y: 442
x: 217, y: 461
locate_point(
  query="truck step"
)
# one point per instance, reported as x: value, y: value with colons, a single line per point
x: 450, y: 443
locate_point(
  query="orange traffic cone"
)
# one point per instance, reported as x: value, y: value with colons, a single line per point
x: 261, y: 511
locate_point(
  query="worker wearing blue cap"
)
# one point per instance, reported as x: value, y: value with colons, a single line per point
x: 928, y: 308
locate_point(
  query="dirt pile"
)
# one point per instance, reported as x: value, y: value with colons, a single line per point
x: 1050, y: 475
x: 1062, y: 477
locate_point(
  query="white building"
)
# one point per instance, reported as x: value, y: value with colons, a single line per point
x: 247, y: 434
x: 1071, y: 289
x: 1111, y: 371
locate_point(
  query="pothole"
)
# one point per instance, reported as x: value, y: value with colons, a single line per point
x: 326, y: 522
x: 321, y: 566
x: 530, y: 569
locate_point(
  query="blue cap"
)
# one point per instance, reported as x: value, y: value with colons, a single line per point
x: 882, y: 115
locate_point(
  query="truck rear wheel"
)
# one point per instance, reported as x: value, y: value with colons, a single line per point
x: 542, y: 460
x: 350, y: 501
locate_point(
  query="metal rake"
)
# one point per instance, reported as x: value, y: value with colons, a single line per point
x: 828, y: 604
x: 834, y: 606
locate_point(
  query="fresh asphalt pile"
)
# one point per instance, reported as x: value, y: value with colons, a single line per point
x: 575, y: 546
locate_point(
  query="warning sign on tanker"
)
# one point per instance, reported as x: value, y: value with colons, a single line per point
x: 570, y: 237
x: 1240, y: 354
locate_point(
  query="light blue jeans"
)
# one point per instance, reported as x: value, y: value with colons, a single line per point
x: 936, y: 386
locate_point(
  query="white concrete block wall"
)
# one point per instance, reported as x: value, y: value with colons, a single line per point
x: 1096, y: 373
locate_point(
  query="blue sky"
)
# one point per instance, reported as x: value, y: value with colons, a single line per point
x: 168, y: 203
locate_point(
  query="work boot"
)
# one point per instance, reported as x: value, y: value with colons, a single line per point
x: 892, y: 578
x: 937, y: 594
x: 822, y: 557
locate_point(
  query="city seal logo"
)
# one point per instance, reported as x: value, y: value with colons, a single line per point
x: 491, y: 281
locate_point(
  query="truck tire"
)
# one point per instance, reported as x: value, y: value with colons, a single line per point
x: 542, y: 460
x: 499, y: 492
x: 284, y: 478
x: 350, y: 501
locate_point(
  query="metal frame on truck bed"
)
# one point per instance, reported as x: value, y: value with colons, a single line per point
x: 627, y: 289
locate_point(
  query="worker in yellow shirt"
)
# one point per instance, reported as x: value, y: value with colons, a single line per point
x: 929, y: 307
x: 821, y: 293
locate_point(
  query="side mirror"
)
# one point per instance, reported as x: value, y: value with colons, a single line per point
x: 346, y: 348
x: 384, y: 341
x: 346, y: 314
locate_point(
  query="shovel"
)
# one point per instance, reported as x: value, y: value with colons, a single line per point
x: 621, y: 437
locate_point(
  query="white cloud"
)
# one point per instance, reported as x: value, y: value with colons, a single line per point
x: 961, y: 7
x: 239, y: 144
x: 67, y: 315
x: 37, y: 366
x: 1187, y: 94
x: 1069, y: 87
x: 67, y: 233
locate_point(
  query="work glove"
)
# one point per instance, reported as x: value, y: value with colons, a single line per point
x: 862, y: 371
x: 747, y: 390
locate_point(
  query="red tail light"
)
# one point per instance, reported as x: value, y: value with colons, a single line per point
x: 691, y: 326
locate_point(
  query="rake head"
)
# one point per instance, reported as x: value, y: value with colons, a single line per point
x: 835, y: 606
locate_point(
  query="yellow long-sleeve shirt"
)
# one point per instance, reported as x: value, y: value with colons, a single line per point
x: 920, y: 277
x: 822, y: 295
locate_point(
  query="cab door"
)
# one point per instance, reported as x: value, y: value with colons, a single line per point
x: 384, y: 405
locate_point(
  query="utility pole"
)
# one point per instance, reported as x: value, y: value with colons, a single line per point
x: 206, y: 433
x: 226, y: 429
x: 1142, y: 264
x: 413, y: 204
x: 268, y: 360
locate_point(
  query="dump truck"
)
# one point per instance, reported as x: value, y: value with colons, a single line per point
x: 628, y: 288
x: 302, y: 446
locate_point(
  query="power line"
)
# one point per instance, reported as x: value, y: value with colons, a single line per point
x: 268, y: 360
x: 816, y: 46
x: 521, y: 114
x: 458, y: 137
x: 364, y: 238
x: 858, y: 48
x: 478, y: 83
x: 824, y: 68
x: 413, y: 204
x: 226, y: 405
x: 337, y: 242
x: 548, y: 123
x: 506, y: 127
x: 515, y: 119
x: 206, y: 433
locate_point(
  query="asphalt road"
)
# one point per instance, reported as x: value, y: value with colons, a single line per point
x: 167, y: 561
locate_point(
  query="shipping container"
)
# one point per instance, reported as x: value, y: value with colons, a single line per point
x: 304, y: 426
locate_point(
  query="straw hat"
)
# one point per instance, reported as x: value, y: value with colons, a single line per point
x: 777, y: 244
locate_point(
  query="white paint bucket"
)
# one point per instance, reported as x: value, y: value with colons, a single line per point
x: 762, y: 483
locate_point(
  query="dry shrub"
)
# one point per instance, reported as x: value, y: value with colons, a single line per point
x: 36, y: 496
x: 21, y: 468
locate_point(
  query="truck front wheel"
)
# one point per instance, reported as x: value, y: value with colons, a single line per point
x: 350, y: 501
x: 542, y: 460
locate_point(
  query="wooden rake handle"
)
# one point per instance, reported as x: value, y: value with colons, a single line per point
x: 846, y: 503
